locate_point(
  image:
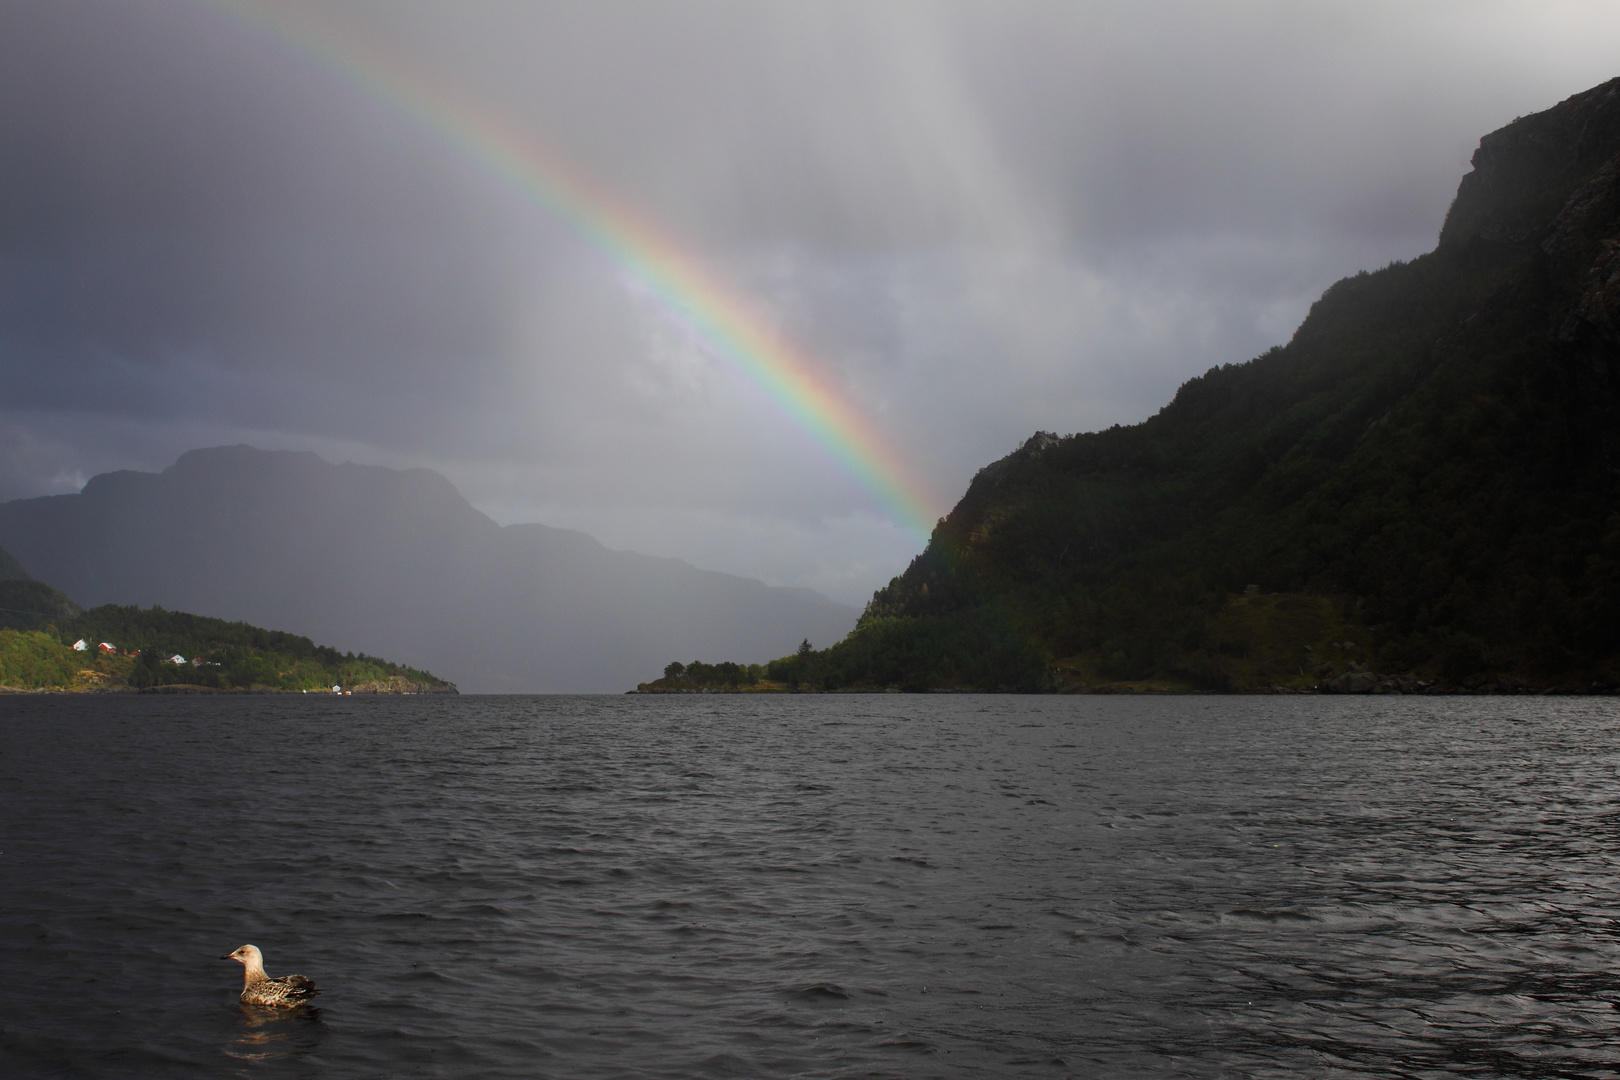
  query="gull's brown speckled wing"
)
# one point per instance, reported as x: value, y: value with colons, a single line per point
x: 280, y: 993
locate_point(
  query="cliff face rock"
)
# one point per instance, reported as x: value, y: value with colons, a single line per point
x: 1523, y: 172
x: 1586, y: 242
x: 988, y: 478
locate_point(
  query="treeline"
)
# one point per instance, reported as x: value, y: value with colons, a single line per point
x: 697, y: 677
x: 805, y: 669
x: 903, y: 654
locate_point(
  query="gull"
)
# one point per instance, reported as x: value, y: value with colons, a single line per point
x: 260, y: 989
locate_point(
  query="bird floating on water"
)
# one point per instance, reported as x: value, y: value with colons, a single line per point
x: 260, y: 989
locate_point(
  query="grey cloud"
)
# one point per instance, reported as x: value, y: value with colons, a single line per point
x: 978, y: 218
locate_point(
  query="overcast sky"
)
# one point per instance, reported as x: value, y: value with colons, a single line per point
x: 978, y: 219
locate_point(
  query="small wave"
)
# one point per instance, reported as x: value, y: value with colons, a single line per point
x: 483, y: 909
x: 430, y: 975
x: 821, y: 991
x: 1273, y: 915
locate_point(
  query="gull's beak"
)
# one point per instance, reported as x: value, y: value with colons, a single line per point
x: 227, y: 956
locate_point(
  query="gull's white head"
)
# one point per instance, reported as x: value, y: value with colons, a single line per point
x: 247, y: 956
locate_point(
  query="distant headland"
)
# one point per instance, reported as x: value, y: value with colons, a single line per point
x: 49, y: 645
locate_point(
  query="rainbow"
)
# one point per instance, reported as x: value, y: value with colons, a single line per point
x: 723, y: 319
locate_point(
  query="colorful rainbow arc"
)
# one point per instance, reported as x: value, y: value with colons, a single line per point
x: 683, y: 288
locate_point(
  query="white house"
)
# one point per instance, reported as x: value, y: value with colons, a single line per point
x: 177, y: 659
x: 81, y: 646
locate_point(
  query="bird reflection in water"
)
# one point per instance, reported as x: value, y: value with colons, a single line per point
x: 264, y: 1034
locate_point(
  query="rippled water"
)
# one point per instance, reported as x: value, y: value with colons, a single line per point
x: 812, y: 886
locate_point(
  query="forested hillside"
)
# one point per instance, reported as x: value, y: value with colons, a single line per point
x: 1418, y: 490
x: 154, y: 649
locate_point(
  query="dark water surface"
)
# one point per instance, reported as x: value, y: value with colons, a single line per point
x: 886, y: 886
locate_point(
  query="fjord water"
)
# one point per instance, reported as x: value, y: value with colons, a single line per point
x: 812, y: 886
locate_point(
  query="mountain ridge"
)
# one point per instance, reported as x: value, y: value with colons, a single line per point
x: 399, y: 564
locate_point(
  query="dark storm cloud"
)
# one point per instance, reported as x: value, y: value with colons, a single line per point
x: 194, y: 226
x: 979, y: 218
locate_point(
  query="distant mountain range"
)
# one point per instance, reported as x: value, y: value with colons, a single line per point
x: 1420, y: 490
x: 398, y: 564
